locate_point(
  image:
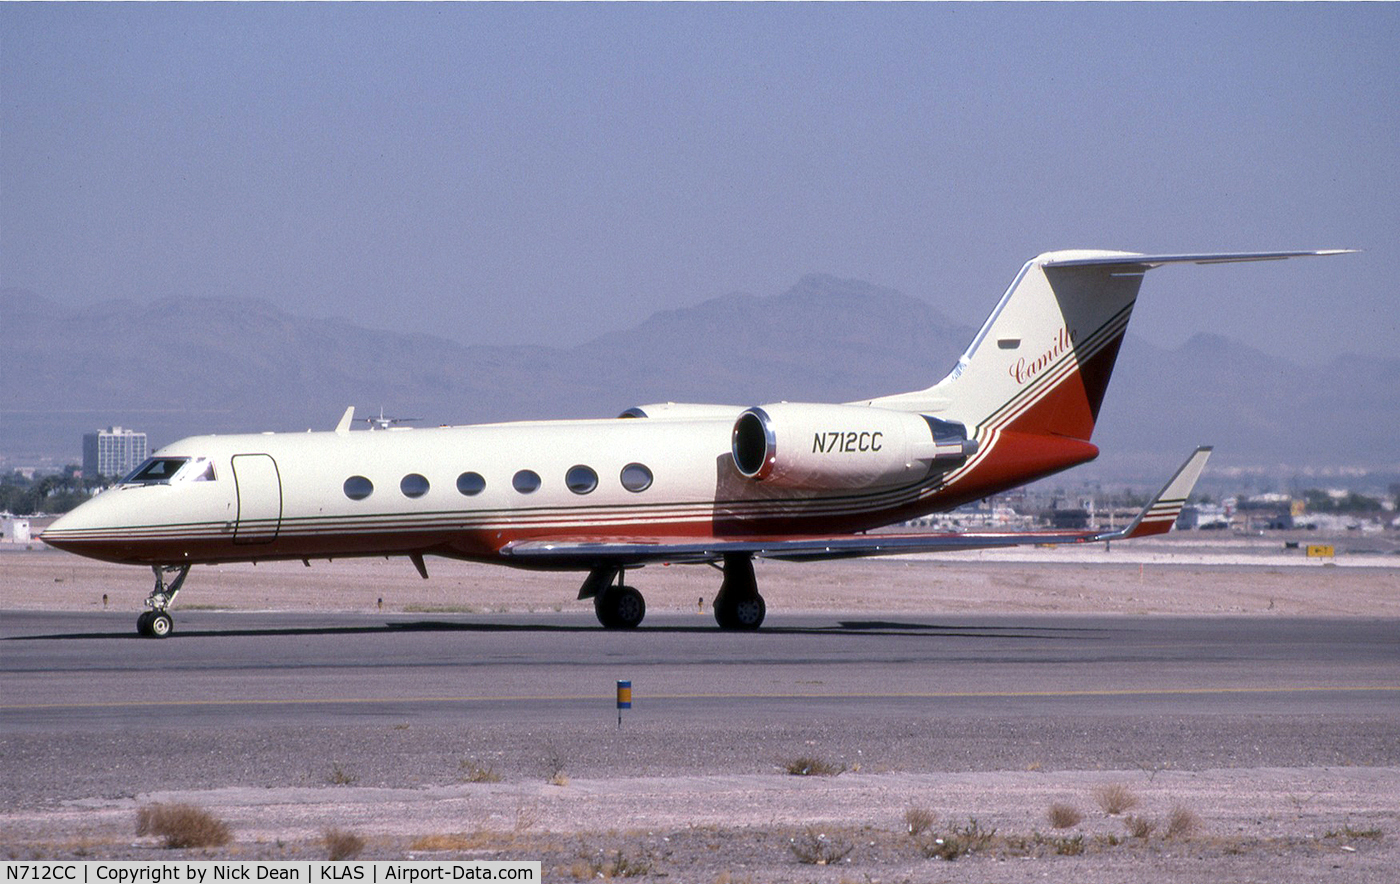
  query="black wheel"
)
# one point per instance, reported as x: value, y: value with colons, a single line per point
x: 742, y: 614
x: 161, y: 624
x: 620, y: 607
x: 143, y: 623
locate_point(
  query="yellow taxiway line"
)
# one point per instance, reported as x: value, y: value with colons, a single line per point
x: 608, y: 697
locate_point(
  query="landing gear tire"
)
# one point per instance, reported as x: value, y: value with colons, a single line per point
x: 738, y: 606
x: 154, y: 624
x: 620, y: 607
x: 740, y: 615
x: 160, y: 625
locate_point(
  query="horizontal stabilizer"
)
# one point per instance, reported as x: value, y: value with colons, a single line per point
x: 1111, y: 259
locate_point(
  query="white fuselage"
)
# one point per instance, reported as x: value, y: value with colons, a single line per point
x: 285, y: 495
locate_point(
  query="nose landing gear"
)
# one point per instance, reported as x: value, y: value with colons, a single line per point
x: 157, y: 622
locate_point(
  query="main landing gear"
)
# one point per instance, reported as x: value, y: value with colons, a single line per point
x: 617, y: 605
x: 738, y: 607
x: 157, y: 622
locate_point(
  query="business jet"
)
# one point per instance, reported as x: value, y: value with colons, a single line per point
x: 678, y: 483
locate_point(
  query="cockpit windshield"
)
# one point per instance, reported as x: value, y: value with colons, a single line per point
x: 164, y: 470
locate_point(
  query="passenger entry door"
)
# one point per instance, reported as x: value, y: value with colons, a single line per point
x: 259, y: 498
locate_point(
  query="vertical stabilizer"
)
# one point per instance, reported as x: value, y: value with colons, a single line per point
x: 1040, y: 364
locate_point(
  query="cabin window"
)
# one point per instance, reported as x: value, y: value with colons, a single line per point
x: 471, y: 484
x: 636, y: 477
x: 581, y: 479
x: 414, y: 485
x: 526, y: 481
x: 358, y: 488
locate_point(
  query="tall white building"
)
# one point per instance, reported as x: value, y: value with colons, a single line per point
x: 113, y: 452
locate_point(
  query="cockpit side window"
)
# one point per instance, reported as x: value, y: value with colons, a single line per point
x: 156, y: 471
x: 202, y: 471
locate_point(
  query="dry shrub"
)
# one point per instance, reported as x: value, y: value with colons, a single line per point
x: 339, y: 776
x: 526, y: 815
x: 1351, y: 833
x: 182, y: 825
x: 473, y: 771
x: 1115, y: 798
x: 619, y: 865
x: 341, y: 844
x: 1065, y: 846
x: 1064, y: 816
x: 918, y: 820
x: 450, y: 841
x: 1138, y: 826
x: 815, y: 849
x: 1182, y: 823
x: 957, y: 842
x: 554, y: 769
x: 807, y: 766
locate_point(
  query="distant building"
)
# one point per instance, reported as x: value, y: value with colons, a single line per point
x: 15, y: 529
x: 112, y: 452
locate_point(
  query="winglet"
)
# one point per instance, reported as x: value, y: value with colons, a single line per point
x: 346, y: 420
x: 1160, y: 513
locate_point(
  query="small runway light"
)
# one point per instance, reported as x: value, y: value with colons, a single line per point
x: 624, y: 700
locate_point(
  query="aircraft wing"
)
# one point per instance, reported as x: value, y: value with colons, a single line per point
x: 1156, y: 518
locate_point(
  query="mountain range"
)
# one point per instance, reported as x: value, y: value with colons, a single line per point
x: 182, y: 366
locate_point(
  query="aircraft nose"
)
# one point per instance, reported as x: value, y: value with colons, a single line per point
x: 92, y: 529
x: 68, y: 530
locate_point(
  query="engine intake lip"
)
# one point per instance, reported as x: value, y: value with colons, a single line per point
x: 754, y: 445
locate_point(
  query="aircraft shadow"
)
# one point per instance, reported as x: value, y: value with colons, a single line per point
x: 843, y: 629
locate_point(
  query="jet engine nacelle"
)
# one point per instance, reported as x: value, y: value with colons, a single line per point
x: 798, y: 445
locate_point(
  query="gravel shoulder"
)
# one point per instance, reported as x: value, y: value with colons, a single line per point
x: 1261, y: 824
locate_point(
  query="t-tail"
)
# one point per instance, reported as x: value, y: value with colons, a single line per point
x: 1031, y: 383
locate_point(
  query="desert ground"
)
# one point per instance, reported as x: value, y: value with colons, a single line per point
x: 1198, y: 573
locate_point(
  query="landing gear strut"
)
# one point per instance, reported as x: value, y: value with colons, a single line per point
x: 738, y: 606
x: 618, y: 606
x: 157, y: 622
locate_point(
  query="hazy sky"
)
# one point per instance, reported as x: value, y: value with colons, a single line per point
x: 546, y: 173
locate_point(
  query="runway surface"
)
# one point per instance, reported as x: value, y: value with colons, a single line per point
x: 247, y: 668
x: 252, y: 698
